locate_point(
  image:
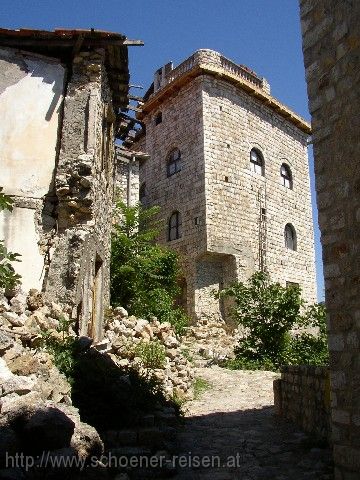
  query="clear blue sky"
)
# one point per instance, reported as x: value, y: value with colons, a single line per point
x: 263, y: 34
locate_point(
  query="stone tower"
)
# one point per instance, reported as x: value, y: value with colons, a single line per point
x: 228, y: 166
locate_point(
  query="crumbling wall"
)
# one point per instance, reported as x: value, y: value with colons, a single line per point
x: 28, y: 149
x: 79, y: 270
x: 331, y: 45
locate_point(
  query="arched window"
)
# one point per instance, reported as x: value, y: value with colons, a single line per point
x: 286, y: 177
x: 290, y: 237
x: 175, y: 226
x: 257, y: 162
x: 142, y: 191
x: 174, y: 162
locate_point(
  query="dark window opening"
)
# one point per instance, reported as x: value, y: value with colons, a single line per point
x: 142, y: 192
x: 158, y: 118
x: 290, y: 237
x: 256, y: 162
x: 175, y: 226
x: 286, y: 177
x: 174, y: 162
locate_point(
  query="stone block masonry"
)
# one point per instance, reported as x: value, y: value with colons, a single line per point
x: 331, y: 46
x: 302, y: 395
x: 231, y: 214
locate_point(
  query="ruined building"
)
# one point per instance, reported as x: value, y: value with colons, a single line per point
x: 61, y: 96
x: 331, y: 45
x: 228, y: 166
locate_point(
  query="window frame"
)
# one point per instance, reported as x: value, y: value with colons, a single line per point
x: 174, y: 226
x: 257, y: 166
x: 286, y: 179
x: 290, y: 244
x: 173, y: 164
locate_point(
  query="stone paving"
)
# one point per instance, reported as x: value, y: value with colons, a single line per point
x: 234, y: 421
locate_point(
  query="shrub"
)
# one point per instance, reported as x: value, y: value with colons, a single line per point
x: 144, y: 276
x: 269, y: 312
x: 152, y: 354
x: 8, y: 278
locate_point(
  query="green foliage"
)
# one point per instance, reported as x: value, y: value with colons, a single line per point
x: 144, y: 275
x: 62, y: 347
x: 269, y: 312
x: 8, y: 278
x: 200, y: 386
x: 152, y: 354
x: 6, y: 202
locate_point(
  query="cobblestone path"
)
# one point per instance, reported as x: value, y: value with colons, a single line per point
x: 234, y: 420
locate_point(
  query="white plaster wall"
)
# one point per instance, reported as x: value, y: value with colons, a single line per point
x: 31, y: 92
x: 18, y: 230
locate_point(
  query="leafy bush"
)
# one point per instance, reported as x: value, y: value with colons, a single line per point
x: 144, y: 276
x: 62, y: 347
x: 152, y: 354
x: 269, y: 312
x: 8, y: 278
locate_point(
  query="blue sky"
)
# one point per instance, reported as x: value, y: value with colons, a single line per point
x: 263, y: 34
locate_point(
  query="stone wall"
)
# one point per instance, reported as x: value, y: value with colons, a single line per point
x: 302, y: 395
x: 215, y: 122
x: 331, y: 45
x: 79, y: 265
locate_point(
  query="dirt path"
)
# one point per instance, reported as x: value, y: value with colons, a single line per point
x: 233, y: 421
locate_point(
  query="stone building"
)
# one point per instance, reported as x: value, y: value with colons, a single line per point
x: 331, y: 45
x: 61, y: 96
x: 228, y: 166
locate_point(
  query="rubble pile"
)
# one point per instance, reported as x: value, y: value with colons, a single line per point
x: 36, y: 413
x: 127, y: 336
x: 211, y: 340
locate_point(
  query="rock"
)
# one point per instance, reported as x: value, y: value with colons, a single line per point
x: 18, y: 384
x: 5, y: 372
x: 34, y: 300
x: 121, y: 312
x: 24, y: 365
x: 18, y: 303
x: 103, y: 346
x: 56, y: 311
x: 13, y: 403
x: 9, y: 443
x: 171, y: 342
x: 6, y: 342
x: 140, y: 325
x: 46, y: 428
x: 124, y: 362
x: 86, y: 441
x: 14, y: 318
x: 84, y: 343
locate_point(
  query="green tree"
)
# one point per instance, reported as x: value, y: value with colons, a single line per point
x: 269, y: 312
x: 8, y: 278
x: 144, y: 275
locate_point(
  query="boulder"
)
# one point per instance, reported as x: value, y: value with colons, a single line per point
x: 18, y: 303
x: 14, y: 319
x: 46, y: 428
x: 18, y: 384
x: 34, y: 300
x: 6, y: 342
x: 24, y: 364
x: 5, y: 373
x: 121, y: 312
